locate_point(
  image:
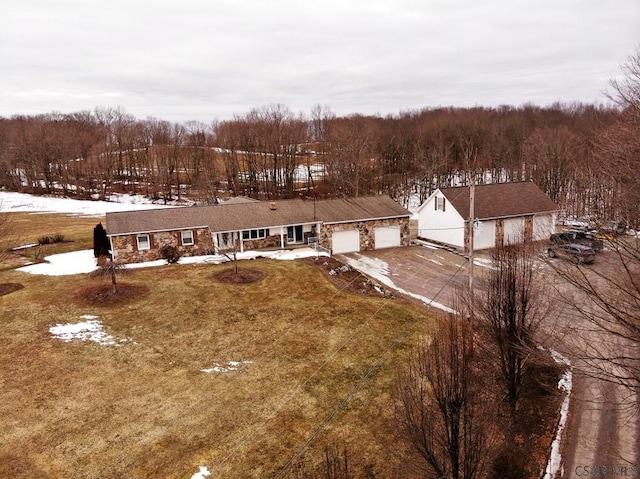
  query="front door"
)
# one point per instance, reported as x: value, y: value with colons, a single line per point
x: 294, y: 234
x: 226, y: 241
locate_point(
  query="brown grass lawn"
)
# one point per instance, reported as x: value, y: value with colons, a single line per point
x: 144, y: 408
x: 27, y: 228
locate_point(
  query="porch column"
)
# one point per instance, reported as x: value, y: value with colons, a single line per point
x: 282, y: 237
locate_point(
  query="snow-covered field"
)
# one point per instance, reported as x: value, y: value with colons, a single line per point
x: 20, y: 202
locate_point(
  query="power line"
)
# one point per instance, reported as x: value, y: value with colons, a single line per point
x: 261, y: 354
x: 399, y: 337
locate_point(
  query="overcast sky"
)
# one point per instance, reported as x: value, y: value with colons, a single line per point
x: 186, y: 60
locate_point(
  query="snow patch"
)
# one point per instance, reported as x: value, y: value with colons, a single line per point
x: 202, y: 473
x: 378, y: 269
x: 25, y: 246
x: 227, y: 367
x: 79, y: 262
x: 76, y: 262
x: 483, y: 262
x: 565, y: 384
x: 426, y: 244
x: 440, y: 263
x: 90, y: 330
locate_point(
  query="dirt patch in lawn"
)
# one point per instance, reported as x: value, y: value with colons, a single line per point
x: 104, y: 295
x: 349, y: 279
x: 6, y: 288
x: 242, y: 276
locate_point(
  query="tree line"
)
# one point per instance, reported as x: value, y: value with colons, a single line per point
x: 569, y: 150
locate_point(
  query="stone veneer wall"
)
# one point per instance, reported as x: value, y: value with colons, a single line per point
x: 268, y: 242
x: 367, y: 232
x: 126, y: 251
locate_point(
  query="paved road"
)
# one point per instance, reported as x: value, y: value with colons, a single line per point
x: 602, y: 430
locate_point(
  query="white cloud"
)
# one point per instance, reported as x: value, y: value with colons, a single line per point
x: 200, y: 60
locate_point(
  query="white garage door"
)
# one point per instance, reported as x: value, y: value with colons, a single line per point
x: 387, y: 236
x: 346, y: 241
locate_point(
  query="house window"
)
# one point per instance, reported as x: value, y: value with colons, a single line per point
x: 143, y: 242
x: 187, y: 238
x: 439, y: 203
x: 255, y: 234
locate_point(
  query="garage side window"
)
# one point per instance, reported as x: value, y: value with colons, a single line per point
x: 187, y: 238
x: 439, y: 203
x: 143, y: 242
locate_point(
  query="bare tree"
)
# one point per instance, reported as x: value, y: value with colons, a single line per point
x: 438, y: 408
x: 612, y: 289
x: 612, y: 307
x: 511, y: 308
x: 618, y: 146
x: 111, y: 269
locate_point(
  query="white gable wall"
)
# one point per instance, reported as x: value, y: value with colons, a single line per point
x: 443, y: 226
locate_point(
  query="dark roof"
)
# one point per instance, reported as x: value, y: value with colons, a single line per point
x: 236, y: 216
x: 500, y: 200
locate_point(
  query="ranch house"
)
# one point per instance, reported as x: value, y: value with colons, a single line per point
x: 339, y: 225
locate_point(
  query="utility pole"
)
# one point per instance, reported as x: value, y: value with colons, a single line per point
x: 471, y: 225
x: 472, y: 200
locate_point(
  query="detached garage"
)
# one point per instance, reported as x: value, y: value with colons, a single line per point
x: 504, y: 213
x: 347, y: 241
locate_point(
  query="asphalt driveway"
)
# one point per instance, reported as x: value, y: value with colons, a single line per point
x: 424, y: 272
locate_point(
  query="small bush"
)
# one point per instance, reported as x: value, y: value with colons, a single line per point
x: 50, y: 239
x: 58, y: 238
x: 170, y: 253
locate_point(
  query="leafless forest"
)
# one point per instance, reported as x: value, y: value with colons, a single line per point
x: 570, y: 150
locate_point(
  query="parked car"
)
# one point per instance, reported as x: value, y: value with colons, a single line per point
x: 614, y: 228
x: 574, y: 252
x: 577, y: 237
